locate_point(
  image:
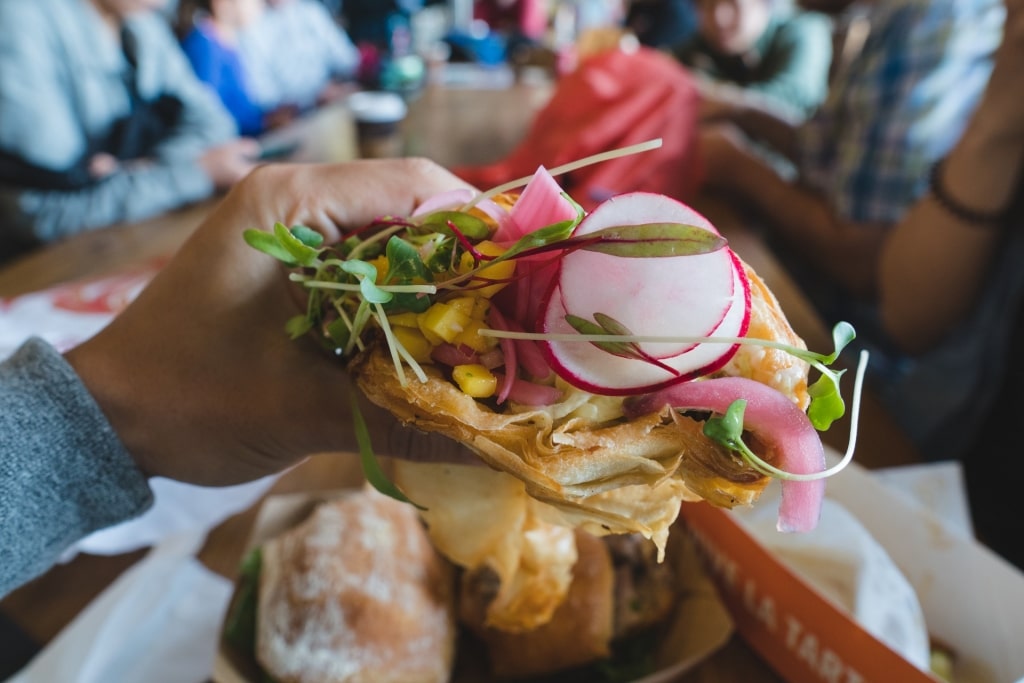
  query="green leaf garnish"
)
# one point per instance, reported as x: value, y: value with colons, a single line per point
x: 406, y: 267
x: 268, y: 244
x: 298, y: 326
x: 469, y: 225
x: 367, y: 276
x: 727, y: 429
x: 302, y: 254
x: 308, y: 236
x: 654, y: 240
x: 371, y: 468
x: 613, y: 329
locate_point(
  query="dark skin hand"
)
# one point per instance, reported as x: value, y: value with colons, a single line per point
x: 197, y: 375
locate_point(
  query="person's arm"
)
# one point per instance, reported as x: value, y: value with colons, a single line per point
x: 845, y: 250
x: 937, y: 256
x: 63, y: 471
x: 898, y: 110
x: 196, y: 380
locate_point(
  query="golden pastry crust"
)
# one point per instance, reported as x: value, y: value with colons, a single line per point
x: 575, y: 465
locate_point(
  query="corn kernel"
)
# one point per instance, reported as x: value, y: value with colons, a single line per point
x: 414, y: 342
x: 475, y: 380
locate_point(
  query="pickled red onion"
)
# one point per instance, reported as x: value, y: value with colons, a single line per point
x: 777, y: 422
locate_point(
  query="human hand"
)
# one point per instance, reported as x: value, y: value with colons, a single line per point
x: 333, y: 91
x: 717, y: 101
x: 281, y: 116
x: 197, y: 375
x: 102, y: 164
x: 228, y: 163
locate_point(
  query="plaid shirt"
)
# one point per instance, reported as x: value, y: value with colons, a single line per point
x: 900, y: 104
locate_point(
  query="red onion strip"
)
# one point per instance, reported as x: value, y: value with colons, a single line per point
x: 776, y: 421
x: 508, y: 348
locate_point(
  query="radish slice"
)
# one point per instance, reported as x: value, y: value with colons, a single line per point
x: 775, y: 420
x: 682, y: 296
x: 541, y: 204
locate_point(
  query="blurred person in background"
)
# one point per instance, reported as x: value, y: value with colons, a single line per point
x: 102, y: 120
x: 758, y: 55
x: 211, y: 45
x: 895, y: 107
x: 298, y: 57
x: 951, y: 303
x: 661, y: 24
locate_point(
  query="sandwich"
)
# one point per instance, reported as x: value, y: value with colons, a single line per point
x: 604, y: 367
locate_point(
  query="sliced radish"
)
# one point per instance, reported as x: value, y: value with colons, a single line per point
x: 682, y: 296
x: 775, y: 420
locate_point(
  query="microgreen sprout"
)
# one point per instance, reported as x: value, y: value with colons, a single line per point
x: 827, y: 404
x: 371, y: 466
x: 727, y: 430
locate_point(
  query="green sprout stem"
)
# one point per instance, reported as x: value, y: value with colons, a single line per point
x: 736, y: 442
x: 566, y: 168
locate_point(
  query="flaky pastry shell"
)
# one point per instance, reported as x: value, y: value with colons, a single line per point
x: 618, y: 476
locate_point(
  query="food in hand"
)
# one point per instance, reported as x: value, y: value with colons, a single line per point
x: 554, y: 345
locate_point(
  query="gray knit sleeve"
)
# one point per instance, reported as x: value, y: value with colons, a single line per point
x: 63, y: 471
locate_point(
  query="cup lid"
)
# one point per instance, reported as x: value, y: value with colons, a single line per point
x: 374, y: 106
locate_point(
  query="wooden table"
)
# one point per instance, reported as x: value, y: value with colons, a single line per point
x: 452, y: 126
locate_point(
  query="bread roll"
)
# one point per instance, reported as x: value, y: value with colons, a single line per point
x: 356, y: 594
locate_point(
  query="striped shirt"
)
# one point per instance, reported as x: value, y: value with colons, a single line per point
x: 899, y: 104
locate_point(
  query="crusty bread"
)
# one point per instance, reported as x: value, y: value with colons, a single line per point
x: 356, y: 594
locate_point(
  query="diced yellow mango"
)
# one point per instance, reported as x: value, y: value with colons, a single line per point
x: 466, y: 263
x: 499, y: 271
x: 407, y: 319
x: 475, y: 380
x: 441, y: 322
x: 414, y: 342
x: 463, y: 304
x: 472, y: 338
x: 381, y: 264
x: 481, y: 307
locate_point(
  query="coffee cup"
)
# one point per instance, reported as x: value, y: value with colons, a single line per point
x: 378, y: 115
